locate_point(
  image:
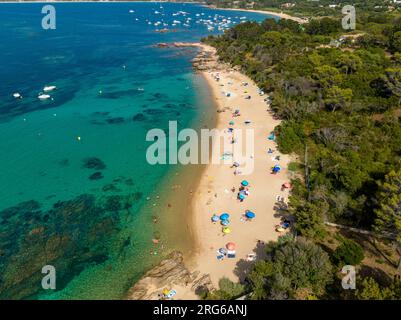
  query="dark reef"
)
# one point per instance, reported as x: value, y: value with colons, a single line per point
x: 94, y: 163
x: 139, y: 117
x: 70, y: 236
x: 96, y: 176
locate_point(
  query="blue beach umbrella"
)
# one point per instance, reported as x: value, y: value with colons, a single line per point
x: 241, y: 196
x: 244, y: 183
x: 250, y: 215
x: 225, y: 222
x: 215, y: 218
x: 224, y: 216
x: 276, y: 168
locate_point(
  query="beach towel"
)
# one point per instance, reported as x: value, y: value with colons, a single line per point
x: 171, y: 294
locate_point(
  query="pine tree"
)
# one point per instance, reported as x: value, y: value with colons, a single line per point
x: 388, y: 215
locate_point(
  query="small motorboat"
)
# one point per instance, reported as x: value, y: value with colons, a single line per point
x: 44, y: 96
x: 49, y: 88
x: 17, y: 95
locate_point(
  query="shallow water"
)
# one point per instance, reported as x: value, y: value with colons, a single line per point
x: 76, y: 191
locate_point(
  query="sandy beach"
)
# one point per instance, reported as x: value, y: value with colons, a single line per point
x: 281, y: 15
x: 217, y: 191
x: 215, y: 195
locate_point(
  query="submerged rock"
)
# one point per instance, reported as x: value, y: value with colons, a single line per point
x: 136, y: 196
x: 96, y: 176
x: 110, y: 188
x: 139, y: 117
x: 154, y: 112
x: 94, y: 163
x: 113, y: 203
x: 69, y: 236
x: 116, y: 120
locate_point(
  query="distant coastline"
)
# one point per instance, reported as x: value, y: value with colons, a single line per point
x: 281, y: 15
x: 97, y: 1
x: 272, y: 13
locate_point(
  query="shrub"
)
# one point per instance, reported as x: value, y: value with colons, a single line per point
x: 228, y: 290
x: 348, y: 252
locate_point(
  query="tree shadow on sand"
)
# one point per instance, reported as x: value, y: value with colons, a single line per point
x: 281, y: 211
x: 243, y: 266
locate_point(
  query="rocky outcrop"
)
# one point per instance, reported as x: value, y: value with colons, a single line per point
x: 205, y: 60
x: 171, y: 271
x: 162, y: 45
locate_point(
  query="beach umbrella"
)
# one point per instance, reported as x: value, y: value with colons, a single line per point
x: 244, y: 183
x: 225, y: 222
x: 287, y: 185
x: 230, y: 246
x: 250, y: 215
x: 276, y: 168
x: 231, y: 123
x: 241, y: 196
x: 215, y: 218
x: 224, y: 216
x: 226, y: 230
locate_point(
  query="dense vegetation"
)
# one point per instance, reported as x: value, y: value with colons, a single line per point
x: 340, y: 106
x: 309, y: 8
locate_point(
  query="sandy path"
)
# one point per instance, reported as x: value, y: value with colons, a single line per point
x: 214, y: 195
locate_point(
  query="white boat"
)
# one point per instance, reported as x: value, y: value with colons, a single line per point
x: 131, y: 11
x: 17, y: 95
x: 49, y: 88
x: 44, y: 96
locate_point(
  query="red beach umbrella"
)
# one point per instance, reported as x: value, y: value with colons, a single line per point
x: 230, y: 246
x: 287, y: 185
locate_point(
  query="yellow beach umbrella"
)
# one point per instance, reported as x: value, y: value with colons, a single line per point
x: 226, y: 230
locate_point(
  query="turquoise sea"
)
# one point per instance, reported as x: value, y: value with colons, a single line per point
x: 76, y: 191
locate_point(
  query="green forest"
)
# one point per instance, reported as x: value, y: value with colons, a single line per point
x: 338, y: 96
x: 313, y: 8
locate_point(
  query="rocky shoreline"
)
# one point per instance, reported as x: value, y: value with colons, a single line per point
x: 170, y: 273
x: 205, y: 60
